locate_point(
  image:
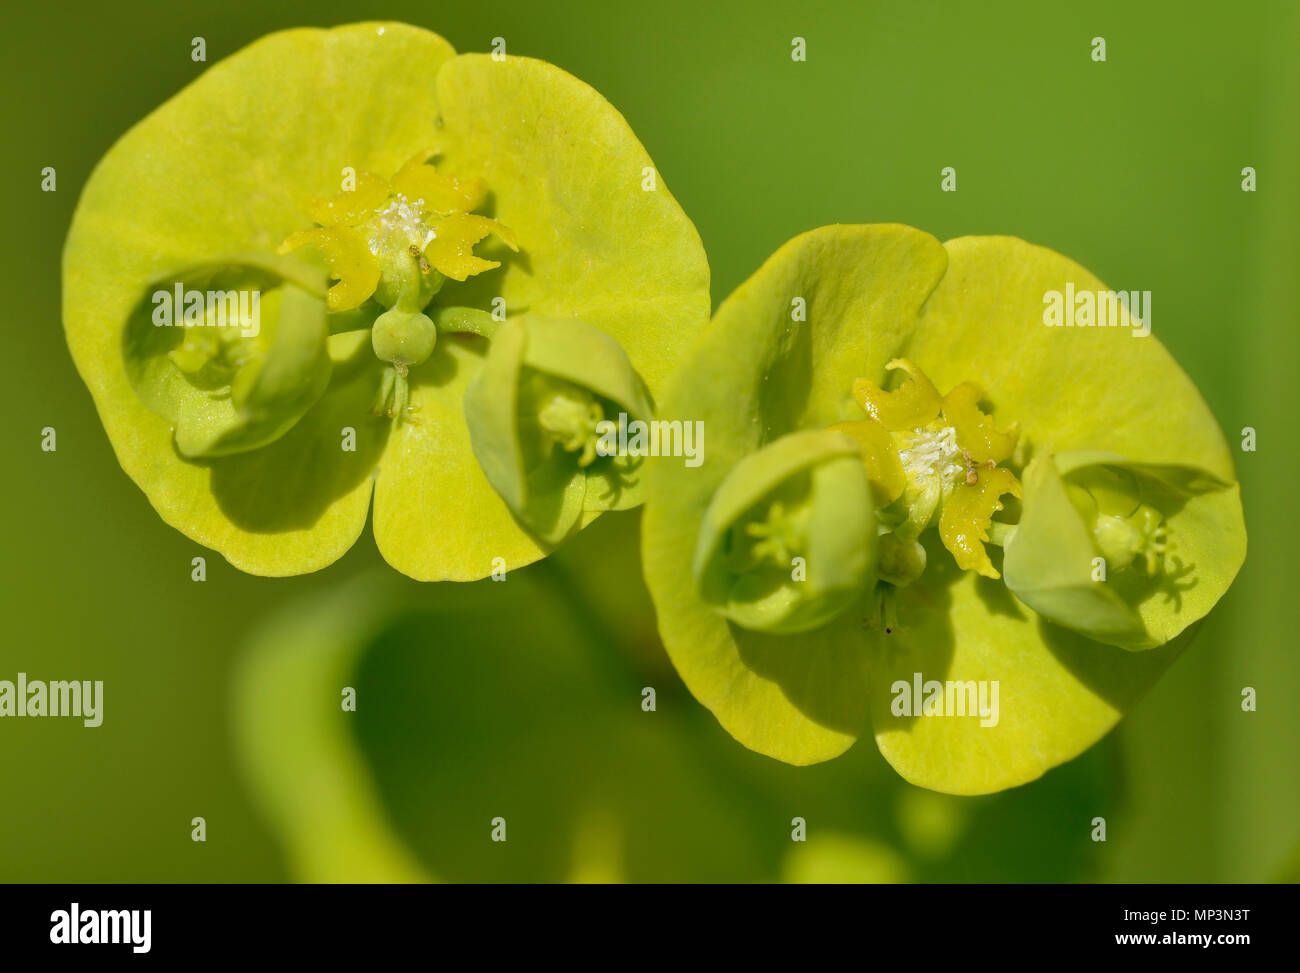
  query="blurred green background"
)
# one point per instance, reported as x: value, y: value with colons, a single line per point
x: 1131, y: 167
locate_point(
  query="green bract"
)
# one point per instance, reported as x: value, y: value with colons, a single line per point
x: 1082, y: 506
x: 235, y: 388
x: 273, y: 293
x: 536, y: 412
x: 1084, y: 453
x: 786, y: 542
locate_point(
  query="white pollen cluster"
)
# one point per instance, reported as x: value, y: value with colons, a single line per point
x: 401, y: 217
x: 930, y: 453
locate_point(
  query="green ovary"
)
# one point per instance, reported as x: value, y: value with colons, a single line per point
x: 403, y: 338
x: 777, y: 538
x: 569, y: 417
x: 1122, y: 540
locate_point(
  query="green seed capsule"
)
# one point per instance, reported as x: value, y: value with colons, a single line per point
x: 403, y: 337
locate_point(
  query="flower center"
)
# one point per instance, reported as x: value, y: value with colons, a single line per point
x: 932, y: 456
x: 214, y: 354
x: 1124, y: 526
x: 403, y: 219
x: 394, y: 242
x: 932, y: 453
x: 778, y: 537
x: 1124, y: 539
x: 569, y: 418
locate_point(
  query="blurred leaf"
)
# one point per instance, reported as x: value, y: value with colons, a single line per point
x: 520, y: 700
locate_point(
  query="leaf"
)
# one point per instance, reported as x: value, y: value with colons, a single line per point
x: 565, y: 172
x: 1057, y: 691
x: 1127, y: 395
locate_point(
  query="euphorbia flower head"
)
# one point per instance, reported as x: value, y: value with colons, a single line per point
x: 1041, y: 511
x: 401, y: 218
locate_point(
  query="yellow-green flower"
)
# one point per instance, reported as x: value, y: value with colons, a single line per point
x: 387, y: 207
x: 1052, y: 510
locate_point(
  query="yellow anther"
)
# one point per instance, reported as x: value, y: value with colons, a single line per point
x: 452, y: 252
x: 975, y: 431
x: 351, y: 206
x: 967, y: 513
x: 880, y: 456
x: 350, y: 261
x: 911, y: 405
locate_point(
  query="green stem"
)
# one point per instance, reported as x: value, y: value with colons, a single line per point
x: 401, y: 394
x: 463, y: 320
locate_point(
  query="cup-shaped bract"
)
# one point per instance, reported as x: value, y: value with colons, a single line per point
x: 1006, y: 458
x: 233, y: 355
x: 1088, y: 517
x: 542, y: 414
x: 391, y: 205
x: 787, y: 541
